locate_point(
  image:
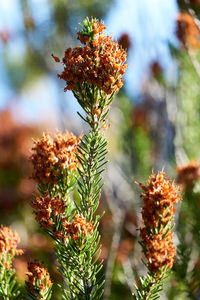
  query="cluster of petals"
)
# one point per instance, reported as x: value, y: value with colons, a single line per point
x: 8, y: 245
x: 50, y: 156
x: 125, y: 41
x: 47, y: 208
x: 159, y: 199
x: 100, y: 62
x: 160, y: 252
x: 188, y: 174
x: 79, y: 227
x: 39, y: 280
x: 97, y: 30
x: 187, y: 31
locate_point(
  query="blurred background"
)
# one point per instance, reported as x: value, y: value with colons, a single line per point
x: 154, y: 119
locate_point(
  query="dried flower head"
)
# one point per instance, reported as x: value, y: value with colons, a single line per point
x: 8, y: 246
x: 51, y: 156
x: 99, y: 64
x: 188, y: 174
x: 187, y: 31
x: 159, y: 199
x: 79, y: 227
x: 39, y: 281
x: 46, y: 210
x: 159, y: 250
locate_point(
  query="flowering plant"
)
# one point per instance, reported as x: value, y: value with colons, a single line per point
x: 63, y: 162
x: 94, y: 74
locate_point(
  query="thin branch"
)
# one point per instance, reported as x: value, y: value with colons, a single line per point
x: 128, y: 271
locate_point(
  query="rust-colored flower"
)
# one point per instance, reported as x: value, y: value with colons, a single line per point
x: 99, y: 63
x: 78, y: 227
x: 160, y: 251
x: 8, y: 246
x: 188, y: 174
x: 187, y: 31
x: 52, y: 156
x: 46, y: 210
x: 39, y: 281
x: 159, y: 199
x: 156, y: 70
x: 124, y: 41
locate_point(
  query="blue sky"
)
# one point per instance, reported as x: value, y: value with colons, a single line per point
x: 150, y: 24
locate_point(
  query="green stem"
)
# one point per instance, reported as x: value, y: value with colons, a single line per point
x: 95, y: 133
x: 151, y: 286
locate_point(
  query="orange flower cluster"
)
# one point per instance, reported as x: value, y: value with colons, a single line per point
x: 8, y: 246
x: 188, y: 174
x: 53, y: 155
x: 160, y: 251
x: 187, y: 31
x: 159, y: 199
x: 39, y: 281
x: 100, y: 62
x: 96, y: 30
x: 47, y: 208
x: 77, y: 227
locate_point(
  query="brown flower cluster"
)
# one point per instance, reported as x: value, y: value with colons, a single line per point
x: 53, y: 155
x: 8, y: 246
x: 188, y: 174
x: 160, y: 251
x: 156, y: 70
x: 97, y: 30
x: 39, y: 280
x: 159, y: 199
x: 124, y: 41
x: 78, y: 227
x: 187, y: 31
x: 100, y: 62
x: 47, y: 208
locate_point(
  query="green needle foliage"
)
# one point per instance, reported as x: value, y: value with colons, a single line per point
x: 159, y: 198
x: 186, y: 271
x: 149, y: 287
x: 94, y: 74
x: 91, y: 155
x: 39, y: 284
x: 83, y: 275
x: 9, y: 287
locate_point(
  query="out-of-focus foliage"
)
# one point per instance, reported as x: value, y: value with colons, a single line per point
x: 15, y: 186
x: 188, y: 93
x: 53, y: 33
x: 146, y: 133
